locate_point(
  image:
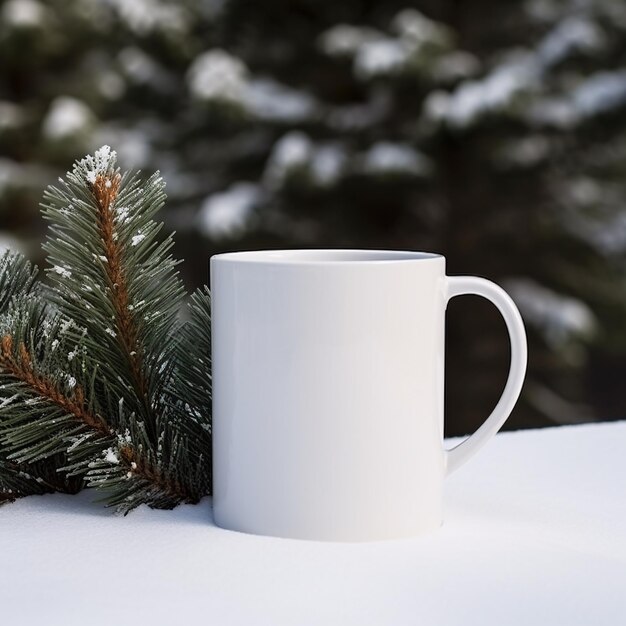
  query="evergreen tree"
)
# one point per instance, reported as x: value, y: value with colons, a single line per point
x: 490, y: 131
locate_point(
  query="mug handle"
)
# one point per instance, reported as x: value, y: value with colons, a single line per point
x: 471, y: 285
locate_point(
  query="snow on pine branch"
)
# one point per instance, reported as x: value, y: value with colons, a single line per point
x: 24, y: 14
x: 66, y: 118
x: 387, y: 157
x: 560, y: 318
x: 226, y: 214
x: 216, y: 76
x: 414, y: 42
x: 100, y: 164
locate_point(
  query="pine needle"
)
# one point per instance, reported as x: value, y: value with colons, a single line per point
x: 98, y: 368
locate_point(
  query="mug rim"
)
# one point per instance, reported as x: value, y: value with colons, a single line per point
x: 326, y: 256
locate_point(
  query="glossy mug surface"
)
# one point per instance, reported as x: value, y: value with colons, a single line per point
x: 328, y: 390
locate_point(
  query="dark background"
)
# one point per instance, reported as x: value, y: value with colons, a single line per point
x: 493, y: 132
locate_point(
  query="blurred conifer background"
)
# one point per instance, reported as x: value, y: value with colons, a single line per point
x: 491, y: 131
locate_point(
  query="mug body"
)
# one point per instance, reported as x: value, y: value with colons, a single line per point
x: 328, y: 387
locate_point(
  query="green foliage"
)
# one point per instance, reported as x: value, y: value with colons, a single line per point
x: 18, y: 478
x: 17, y: 278
x: 193, y: 376
x: 98, y: 369
x: 192, y: 381
x: 492, y: 132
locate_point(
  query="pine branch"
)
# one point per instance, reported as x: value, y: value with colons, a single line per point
x: 17, y: 277
x: 21, y: 368
x: 20, y: 480
x: 53, y: 399
x: 18, y: 280
x: 114, y: 279
x: 193, y: 382
x: 98, y: 369
x: 112, y: 276
x: 190, y: 390
x: 105, y: 190
x: 56, y: 408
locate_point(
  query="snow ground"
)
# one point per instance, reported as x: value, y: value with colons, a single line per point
x: 535, y: 533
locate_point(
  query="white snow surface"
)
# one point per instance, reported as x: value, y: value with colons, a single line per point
x: 66, y: 117
x: 534, y: 533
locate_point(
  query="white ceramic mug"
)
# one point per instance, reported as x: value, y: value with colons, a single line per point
x: 328, y: 383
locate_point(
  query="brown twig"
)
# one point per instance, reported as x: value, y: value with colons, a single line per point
x: 155, y: 475
x: 22, y: 369
x: 105, y: 190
